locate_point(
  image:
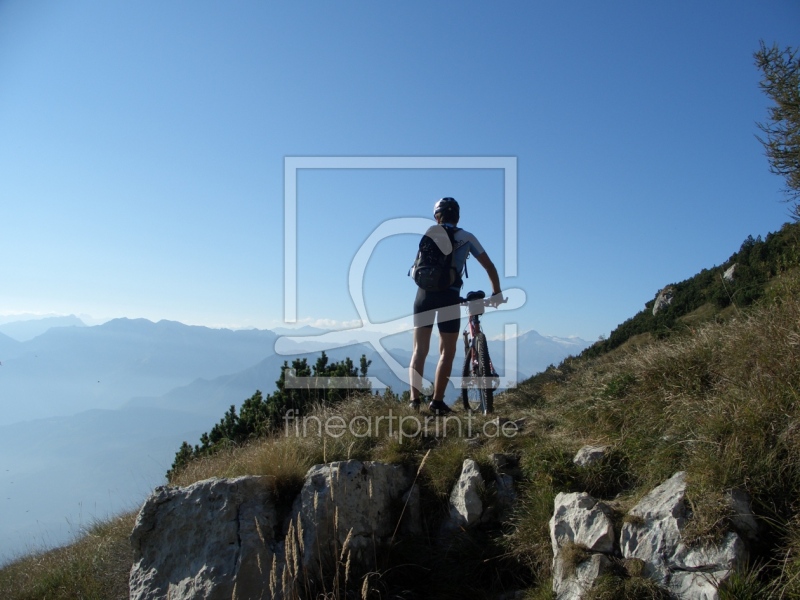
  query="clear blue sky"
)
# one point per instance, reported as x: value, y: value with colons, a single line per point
x: 142, y: 150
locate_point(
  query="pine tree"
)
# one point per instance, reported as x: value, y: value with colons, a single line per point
x: 781, y: 83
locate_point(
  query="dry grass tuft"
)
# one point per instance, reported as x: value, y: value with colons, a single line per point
x: 572, y: 555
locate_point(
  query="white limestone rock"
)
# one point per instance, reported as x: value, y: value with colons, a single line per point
x: 697, y: 585
x: 709, y: 557
x: 653, y: 530
x: 652, y: 534
x: 359, y: 499
x: 590, y: 455
x: 202, y: 541
x: 579, y: 520
x: 664, y: 299
x: 466, y: 506
x: 575, y: 584
x: 730, y: 272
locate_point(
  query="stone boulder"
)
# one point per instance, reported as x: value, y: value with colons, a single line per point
x: 220, y: 538
x: 582, y: 535
x: 652, y: 534
x: 664, y: 299
x: 590, y: 455
x: 697, y: 573
x: 572, y: 582
x: 466, y: 506
x: 347, y: 509
x: 475, y: 501
x: 730, y: 272
x: 204, y: 542
x: 652, y: 529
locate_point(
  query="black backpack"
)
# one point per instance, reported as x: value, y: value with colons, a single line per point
x: 433, y: 268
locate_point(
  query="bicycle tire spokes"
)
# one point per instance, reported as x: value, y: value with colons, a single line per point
x: 478, y: 372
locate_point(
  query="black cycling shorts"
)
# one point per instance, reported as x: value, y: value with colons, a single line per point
x: 444, y: 307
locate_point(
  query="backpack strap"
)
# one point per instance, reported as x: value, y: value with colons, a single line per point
x: 451, y: 231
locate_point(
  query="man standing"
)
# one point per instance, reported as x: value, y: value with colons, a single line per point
x: 444, y: 308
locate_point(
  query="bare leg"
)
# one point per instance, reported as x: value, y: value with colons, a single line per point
x: 422, y: 343
x: 447, y: 352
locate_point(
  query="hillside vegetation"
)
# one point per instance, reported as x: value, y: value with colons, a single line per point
x: 711, y: 385
x: 708, y: 294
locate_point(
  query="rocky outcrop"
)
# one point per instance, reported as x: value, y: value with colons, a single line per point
x: 582, y: 534
x: 664, y: 299
x: 590, y: 455
x: 506, y: 493
x: 411, y: 515
x: 652, y: 533
x: 697, y: 573
x: 581, y: 520
x: 652, y: 528
x: 583, y: 539
x: 466, y: 506
x: 473, y: 501
x: 347, y: 509
x: 730, y: 272
x: 204, y: 541
x: 221, y: 538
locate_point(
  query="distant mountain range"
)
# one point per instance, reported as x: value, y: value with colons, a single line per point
x: 22, y: 331
x: 135, y: 362
x: 93, y: 415
x: 69, y: 369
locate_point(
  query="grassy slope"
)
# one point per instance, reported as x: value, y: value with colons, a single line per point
x: 715, y: 394
x: 95, y: 567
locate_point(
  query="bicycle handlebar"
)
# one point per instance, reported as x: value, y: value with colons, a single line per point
x: 482, y: 297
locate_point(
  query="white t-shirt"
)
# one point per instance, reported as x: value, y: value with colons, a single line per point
x: 466, y: 244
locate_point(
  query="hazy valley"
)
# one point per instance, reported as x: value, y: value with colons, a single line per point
x: 93, y: 415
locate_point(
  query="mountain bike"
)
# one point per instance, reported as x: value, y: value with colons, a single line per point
x: 479, y: 377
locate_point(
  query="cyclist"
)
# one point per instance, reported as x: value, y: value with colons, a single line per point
x: 445, y: 308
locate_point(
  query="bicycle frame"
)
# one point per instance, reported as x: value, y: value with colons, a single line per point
x: 479, y: 376
x: 470, y: 334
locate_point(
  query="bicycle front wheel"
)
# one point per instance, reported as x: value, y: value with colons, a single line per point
x: 470, y: 392
x: 485, y: 375
x: 477, y: 392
